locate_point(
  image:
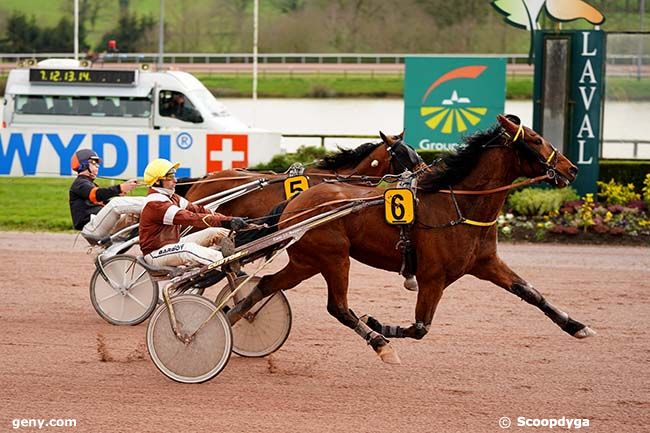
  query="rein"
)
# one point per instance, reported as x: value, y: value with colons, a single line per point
x: 335, y: 176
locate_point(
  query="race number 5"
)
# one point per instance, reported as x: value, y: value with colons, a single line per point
x: 294, y: 185
x: 399, y: 206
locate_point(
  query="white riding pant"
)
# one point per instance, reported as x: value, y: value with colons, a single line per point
x: 102, y: 223
x: 190, y: 250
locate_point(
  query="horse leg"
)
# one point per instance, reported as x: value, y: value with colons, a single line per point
x: 289, y: 277
x: 336, y: 275
x: 496, y: 271
x: 427, y: 302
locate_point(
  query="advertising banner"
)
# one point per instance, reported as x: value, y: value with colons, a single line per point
x: 446, y: 98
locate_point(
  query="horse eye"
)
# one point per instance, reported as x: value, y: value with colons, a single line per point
x: 538, y: 141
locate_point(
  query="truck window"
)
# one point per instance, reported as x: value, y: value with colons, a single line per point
x: 84, y: 105
x: 30, y: 104
x: 176, y: 105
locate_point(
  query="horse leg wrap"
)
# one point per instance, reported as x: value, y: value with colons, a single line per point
x: 372, y: 338
x: 559, y: 317
x: 527, y: 293
x: 244, y: 305
x: 420, y: 330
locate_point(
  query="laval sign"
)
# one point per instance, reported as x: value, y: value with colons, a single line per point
x: 569, y: 79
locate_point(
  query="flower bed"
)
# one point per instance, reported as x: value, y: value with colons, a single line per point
x: 622, y: 217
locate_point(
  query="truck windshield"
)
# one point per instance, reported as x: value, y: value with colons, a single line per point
x: 213, y: 106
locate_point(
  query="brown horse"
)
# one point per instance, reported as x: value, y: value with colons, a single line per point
x: 391, y: 156
x: 446, y: 248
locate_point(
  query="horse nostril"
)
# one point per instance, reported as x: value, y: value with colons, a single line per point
x: 573, y: 170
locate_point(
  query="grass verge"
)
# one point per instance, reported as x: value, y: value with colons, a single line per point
x: 38, y: 204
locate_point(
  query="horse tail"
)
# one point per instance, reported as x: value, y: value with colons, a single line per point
x: 271, y: 220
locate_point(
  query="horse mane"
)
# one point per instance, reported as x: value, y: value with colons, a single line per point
x: 456, y: 165
x: 347, y: 157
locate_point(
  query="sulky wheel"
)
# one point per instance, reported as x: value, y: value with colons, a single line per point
x: 123, y: 294
x: 205, y: 355
x: 265, y: 328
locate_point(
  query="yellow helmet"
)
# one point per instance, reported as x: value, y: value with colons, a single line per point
x: 157, y: 169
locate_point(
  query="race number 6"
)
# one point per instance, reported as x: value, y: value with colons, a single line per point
x: 399, y: 206
x: 294, y: 185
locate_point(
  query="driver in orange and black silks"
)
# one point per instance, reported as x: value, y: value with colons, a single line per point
x: 94, y: 210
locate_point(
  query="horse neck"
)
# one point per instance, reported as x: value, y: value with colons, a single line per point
x: 365, y: 167
x: 495, y: 168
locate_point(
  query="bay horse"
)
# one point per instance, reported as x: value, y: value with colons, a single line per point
x: 447, y: 245
x: 370, y: 159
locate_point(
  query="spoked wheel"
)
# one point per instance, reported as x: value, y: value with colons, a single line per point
x: 205, y: 355
x: 124, y: 294
x: 265, y: 328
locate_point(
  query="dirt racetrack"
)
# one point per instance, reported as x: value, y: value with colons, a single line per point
x: 488, y: 355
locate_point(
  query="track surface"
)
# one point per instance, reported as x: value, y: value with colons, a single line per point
x: 488, y: 355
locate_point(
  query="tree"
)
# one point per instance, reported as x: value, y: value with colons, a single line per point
x: 131, y: 33
x: 22, y: 34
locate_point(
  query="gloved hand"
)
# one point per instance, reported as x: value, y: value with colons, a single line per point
x: 235, y: 223
x: 128, y: 185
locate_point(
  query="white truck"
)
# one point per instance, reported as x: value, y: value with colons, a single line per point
x: 129, y: 117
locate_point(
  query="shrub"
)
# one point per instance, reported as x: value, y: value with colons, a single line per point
x: 538, y: 201
x: 614, y: 193
x: 646, y: 190
x: 304, y: 155
x: 624, y: 171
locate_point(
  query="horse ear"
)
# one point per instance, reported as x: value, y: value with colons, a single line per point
x: 383, y: 137
x: 401, y: 136
x: 510, y: 127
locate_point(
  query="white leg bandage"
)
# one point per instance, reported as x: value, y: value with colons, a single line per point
x: 100, y: 225
x: 183, y: 253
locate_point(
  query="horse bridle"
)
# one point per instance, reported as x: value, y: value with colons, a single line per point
x: 394, y: 151
x: 549, y: 164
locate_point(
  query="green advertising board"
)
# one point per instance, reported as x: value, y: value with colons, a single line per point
x: 446, y: 98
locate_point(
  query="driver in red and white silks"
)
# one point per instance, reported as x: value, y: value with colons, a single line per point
x: 163, y: 215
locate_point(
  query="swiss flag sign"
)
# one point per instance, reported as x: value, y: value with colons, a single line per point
x: 226, y: 151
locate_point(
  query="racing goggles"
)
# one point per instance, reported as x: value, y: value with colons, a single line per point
x: 170, y: 175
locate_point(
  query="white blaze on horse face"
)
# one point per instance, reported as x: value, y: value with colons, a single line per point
x: 374, y: 163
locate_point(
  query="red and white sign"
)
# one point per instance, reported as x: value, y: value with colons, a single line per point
x: 226, y: 151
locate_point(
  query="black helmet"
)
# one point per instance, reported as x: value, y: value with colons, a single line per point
x: 82, y: 157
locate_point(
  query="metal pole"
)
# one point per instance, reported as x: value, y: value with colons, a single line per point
x: 639, y: 61
x: 76, y: 29
x: 255, y: 34
x: 161, y: 34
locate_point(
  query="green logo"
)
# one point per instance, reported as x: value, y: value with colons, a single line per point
x: 446, y: 98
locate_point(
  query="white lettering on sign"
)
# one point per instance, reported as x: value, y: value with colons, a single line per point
x: 585, y: 46
x: 227, y: 155
x: 587, y: 96
x: 581, y: 153
x: 588, y: 71
x: 586, y: 127
x: 587, y: 99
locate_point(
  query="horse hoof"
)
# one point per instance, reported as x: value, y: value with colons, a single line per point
x: 388, y: 355
x: 585, y: 332
x: 411, y: 284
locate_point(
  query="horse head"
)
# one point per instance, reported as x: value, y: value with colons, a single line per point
x: 539, y: 156
x: 400, y: 155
